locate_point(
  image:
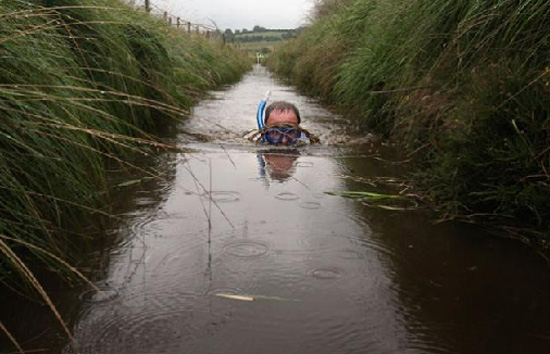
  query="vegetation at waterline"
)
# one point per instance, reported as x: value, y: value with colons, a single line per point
x: 83, y: 83
x: 464, y: 86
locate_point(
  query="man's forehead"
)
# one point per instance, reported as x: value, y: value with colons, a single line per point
x: 283, y: 110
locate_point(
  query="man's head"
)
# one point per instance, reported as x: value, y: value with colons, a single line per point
x: 281, y: 112
x: 282, y: 119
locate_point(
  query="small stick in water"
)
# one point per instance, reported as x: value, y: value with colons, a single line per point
x: 236, y: 297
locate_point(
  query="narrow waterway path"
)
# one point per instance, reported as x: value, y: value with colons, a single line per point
x: 243, y: 252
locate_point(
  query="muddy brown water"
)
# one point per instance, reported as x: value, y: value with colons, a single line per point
x: 243, y: 252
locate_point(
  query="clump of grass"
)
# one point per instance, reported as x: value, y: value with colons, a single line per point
x: 83, y: 83
x: 464, y: 83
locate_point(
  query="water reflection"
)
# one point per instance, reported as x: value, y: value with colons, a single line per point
x: 279, y: 165
x: 135, y: 206
x: 304, y: 256
x: 462, y: 290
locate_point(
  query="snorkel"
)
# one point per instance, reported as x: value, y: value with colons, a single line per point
x: 260, y: 114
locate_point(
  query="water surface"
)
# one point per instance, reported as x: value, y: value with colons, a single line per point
x: 244, y: 252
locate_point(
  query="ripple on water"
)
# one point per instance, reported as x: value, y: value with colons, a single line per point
x: 149, y: 220
x: 310, y: 205
x: 350, y: 254
x: 145, y: 201
x: 104, y: 295
x: 326, y: 273
x: 287, y: 196
x: 222, y: 196
x: 304, y: 164
x: 246, y: 249
x: 152, y: 331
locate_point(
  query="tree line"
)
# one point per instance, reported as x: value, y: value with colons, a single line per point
x: 259, y: 34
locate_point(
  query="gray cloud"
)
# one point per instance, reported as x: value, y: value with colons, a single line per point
x: 238, y: 14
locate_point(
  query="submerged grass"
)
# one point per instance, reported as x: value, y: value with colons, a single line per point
x: 81, y: 83
x: 465, y: 84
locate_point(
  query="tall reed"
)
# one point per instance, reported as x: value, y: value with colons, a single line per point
x: 465, y: 83
x: 82, y: 83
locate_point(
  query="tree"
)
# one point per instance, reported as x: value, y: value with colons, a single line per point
x: 228, y: 36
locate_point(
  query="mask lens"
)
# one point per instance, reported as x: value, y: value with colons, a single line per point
x: 273, y: 135
x: 278, y: 135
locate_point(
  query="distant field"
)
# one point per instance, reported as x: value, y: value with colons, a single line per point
x: 263, y: 36
x: 261, y: 41
x: 272, y: 34
x: 255, y: 46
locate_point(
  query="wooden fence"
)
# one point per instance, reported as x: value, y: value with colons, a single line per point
x: 207, y: 31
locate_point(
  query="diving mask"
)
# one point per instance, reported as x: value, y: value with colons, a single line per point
x: 286, y: 135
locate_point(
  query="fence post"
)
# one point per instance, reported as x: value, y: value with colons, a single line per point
x: 198, y: 29
x: 188, y: 27
x: 170, y: 20
x: 178, y: 22
x: 165, y: 16
x: 147, y: 5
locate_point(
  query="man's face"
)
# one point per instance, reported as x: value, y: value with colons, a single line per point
x: 282, y: 136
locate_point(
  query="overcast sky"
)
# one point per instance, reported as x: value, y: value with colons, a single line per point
x: 239, y: 14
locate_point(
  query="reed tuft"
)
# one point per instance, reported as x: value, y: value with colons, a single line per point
x: 82, y: 84
x: 464, y: 83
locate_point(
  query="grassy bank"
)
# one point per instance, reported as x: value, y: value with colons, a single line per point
x: 463, y: 85
x: 83, y: 83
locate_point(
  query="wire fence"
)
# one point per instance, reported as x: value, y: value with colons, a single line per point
x: 208, y: 31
